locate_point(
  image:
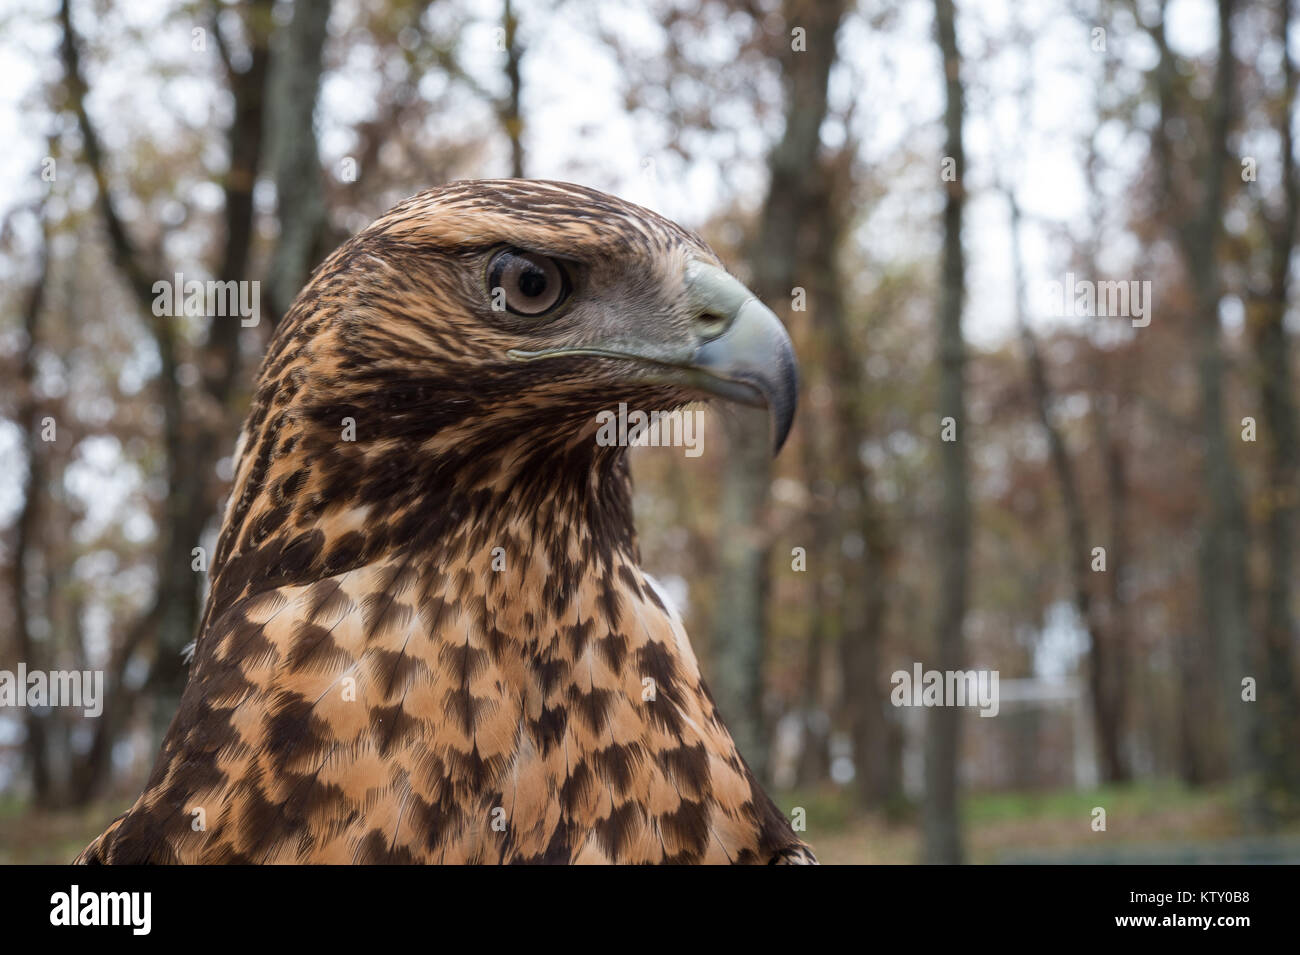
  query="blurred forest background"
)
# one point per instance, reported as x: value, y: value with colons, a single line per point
x: 1113, y: 528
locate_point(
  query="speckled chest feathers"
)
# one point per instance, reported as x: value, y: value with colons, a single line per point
x: 427, y: 637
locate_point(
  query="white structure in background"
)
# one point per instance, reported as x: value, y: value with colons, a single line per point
x: 1069, y: 696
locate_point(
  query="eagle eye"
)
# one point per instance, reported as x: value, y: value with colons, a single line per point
x: 526, y: 283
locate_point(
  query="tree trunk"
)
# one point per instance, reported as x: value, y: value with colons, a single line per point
x: 1225, y: 657
x: 823, y: 598
x: 512, y: 120
x: 295, y: 159
x: 814, y: 763
x: 940, y: 814
x: 1112, y: 679
x: 1226, y: 538
x: 35, y: 742
x: 1279, y: 718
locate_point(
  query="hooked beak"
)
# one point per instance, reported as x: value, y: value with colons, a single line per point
x: 741, y: 351
x: 752, y: 361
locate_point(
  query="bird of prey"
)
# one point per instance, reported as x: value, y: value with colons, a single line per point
x: 427, y: 637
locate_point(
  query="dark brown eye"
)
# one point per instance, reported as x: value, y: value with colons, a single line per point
x: 526, y: 283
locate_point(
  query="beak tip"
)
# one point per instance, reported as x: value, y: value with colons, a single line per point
x: 782, y: 432
x: 781, y: 410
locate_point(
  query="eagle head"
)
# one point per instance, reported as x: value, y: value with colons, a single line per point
x: 544, y: 303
